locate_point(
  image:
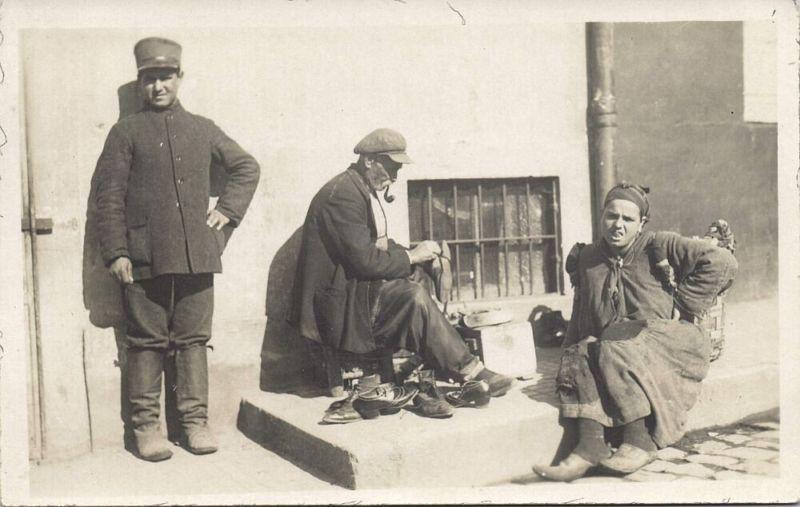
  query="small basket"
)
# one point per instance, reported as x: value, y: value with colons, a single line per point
x: 714, y: 323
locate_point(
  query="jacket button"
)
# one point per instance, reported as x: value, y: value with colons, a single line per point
x: 178, y: 157
x: 180, y: 181
x: 161, y: 144
x: 177, y: 205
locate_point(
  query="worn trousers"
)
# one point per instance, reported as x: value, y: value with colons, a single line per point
x: 170, y: 311
x: 408, y: 318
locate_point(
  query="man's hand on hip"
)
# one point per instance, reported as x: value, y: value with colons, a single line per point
x: 423, y: 252
x: 122, y: 270
x: 216, y: 220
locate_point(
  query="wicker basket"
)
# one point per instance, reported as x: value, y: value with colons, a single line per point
x: 714, y: 322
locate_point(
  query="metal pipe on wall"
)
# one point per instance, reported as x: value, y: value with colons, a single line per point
x: 601, y: 115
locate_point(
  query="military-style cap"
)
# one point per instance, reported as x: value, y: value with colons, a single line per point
x: 157, y: 53
x: 384, y: 142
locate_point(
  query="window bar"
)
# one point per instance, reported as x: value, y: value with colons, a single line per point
x: 530, y: 241
x: 505, y: 242
x: 455, y: 233
x: 430, y: 211
x: 557, y: 241
x: 479, y: 235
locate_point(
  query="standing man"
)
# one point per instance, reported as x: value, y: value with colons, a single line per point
x: 162, y: 243
x: 352, y: 290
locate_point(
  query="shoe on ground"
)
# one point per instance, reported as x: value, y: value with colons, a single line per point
x: 342, y: 411
x: 382, y: 400
x: 429, y: 402
x: 473, y: 393
x: 151, y: 445
x: 628, y: 459
x: 570, y: 468
x: 200, y: 441
x: 499, y: 384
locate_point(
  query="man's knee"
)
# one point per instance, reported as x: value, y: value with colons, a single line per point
x: 418, y: 295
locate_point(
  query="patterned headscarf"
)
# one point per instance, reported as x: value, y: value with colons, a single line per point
x: 636, y: 194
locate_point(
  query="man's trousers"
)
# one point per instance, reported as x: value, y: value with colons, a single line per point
x: 407, y: 317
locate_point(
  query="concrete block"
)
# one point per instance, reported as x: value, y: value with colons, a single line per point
x: 474, y: 447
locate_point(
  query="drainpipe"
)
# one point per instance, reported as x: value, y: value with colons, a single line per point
x: 601, y: 115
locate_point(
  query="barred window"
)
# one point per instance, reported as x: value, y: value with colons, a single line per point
x: 504, y: 234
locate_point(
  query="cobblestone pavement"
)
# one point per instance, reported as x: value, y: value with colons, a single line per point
x: 741, y: 451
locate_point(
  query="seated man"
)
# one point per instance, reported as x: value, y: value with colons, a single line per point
x: 634, y: 354
x: 352, y: 290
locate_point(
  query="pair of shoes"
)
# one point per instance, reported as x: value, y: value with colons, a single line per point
x: 151, y: 444
x: 429, y: 402
x: 384, y: 399
x: 200, y: 440
x: 473, y: 393
x: 628, y: 459
x: 570, y: 468
x: 342, y: 411
x: 498, y: 384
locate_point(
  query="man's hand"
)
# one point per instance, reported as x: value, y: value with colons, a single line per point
x: 122, y: 270
x: 423, y: 252
x: 216, y: 220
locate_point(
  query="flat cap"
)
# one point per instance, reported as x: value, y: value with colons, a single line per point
x: 384, y: 142
x: 156, y: 53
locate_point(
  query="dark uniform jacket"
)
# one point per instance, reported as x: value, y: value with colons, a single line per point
x: 340, y: 270
x: 153, y: 192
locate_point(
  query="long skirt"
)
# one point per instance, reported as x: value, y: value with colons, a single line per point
x: 635, y: 369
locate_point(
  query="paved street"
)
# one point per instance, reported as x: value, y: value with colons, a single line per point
x: 739, y: 451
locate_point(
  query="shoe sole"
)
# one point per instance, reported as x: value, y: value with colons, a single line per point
x: 202, y: 450
x: 156, y: 457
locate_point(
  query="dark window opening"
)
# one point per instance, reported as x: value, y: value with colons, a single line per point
x: 504, y: 234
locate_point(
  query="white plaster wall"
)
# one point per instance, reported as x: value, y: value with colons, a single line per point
x: 499, y: 100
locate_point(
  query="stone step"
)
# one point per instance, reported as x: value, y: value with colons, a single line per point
x: 476, y: 447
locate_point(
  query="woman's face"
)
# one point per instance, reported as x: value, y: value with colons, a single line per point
x: 622, y: 222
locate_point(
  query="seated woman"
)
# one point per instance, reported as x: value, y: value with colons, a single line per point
x: 634, y: 355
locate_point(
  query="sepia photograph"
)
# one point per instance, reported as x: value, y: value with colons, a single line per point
x: 399, y: 252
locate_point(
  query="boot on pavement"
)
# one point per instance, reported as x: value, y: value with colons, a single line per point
x: 191, y: 395
x: 144, y: 372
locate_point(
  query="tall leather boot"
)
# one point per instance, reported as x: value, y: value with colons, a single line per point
x: 191, y: 368
x: 145, y: 369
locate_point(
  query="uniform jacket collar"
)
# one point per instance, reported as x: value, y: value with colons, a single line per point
x: 176, y: 107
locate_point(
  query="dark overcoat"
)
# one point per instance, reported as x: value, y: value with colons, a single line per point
x: 339, y: 269
x: 153, y: 190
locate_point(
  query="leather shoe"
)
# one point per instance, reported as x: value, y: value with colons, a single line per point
x: 200, y: 441
x: 440, y: 271
x: 429, y: 402
x: 473, y: 393
x: 498, y: 384
x: 151, y: 444
x: 342, y: 411
x: 572, y: 467
x: 383, y: 400
x: 628, y: 459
